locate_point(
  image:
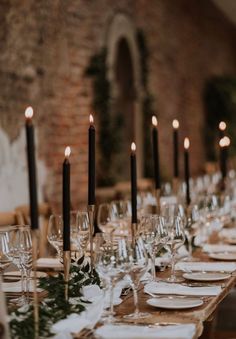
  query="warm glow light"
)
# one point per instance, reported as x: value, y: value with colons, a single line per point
x: 154, y: 120
x: 186, y: 143
x: 222, y: 142
x: 227, y: 141
x: 222, y: 125
x: 175, y: 124
x: 133, y: 147
x: 91, y: 120
x: 29, y: 112
x: 67, y: 152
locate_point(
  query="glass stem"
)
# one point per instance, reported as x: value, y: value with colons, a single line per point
x: 135, y: 292
x: 173, y: 265
x: 22, y: 282
x: 190, y: 247
x: 153, y: 267
x: 111, y: 299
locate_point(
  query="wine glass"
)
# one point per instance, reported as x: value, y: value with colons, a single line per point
x: 176, y: 239
x: 191, y: 228
x: 55, y: 233
x: 109, y: 268
x: 105, y: 222
x: 21, y: 255
x: 154, y: 235
x: 135, y: 263
x: 120, y: 215
x: 5, y: 258
x: 25, y: 243
x: 83, y: 224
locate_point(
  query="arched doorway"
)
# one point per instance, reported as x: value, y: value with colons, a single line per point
x: 123, y: 66
x: 124, y: 108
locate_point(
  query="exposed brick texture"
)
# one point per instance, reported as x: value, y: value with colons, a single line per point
x: 46, y: 46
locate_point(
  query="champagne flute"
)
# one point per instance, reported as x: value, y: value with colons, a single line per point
x: 191, y: 228
x: 25, y: 242
x: 55, y: 233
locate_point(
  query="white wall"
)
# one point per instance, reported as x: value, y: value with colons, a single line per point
x: 13, y: 172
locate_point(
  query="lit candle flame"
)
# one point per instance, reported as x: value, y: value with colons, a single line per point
x: 154, y: 121
x: 133, y: 147
x: 91, y: 120
x: 175, y: 124
x: 67, y: 151
x: 222, y: 126
x: 186, y: 143
x: 29, y: 112
x: 224, y: 142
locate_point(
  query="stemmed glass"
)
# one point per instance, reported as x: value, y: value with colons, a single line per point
x: 176, y: 238
x: 191, y: 228
x: 109, y: 267
x: 82, y: 226
x: 105, y: 221
x: 20, y: 245
x: 5, y: 258
x: 135, y: 263
x: 155, y: 235
x: 120, y: 214
x: 55, y: 233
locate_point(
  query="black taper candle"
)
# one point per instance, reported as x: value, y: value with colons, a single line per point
x: 66, y: 201
x: 91, y: 163
x: 32, y: 175
x: 175, y: 125
x: 186, y: 170
x: 133, y: 176
x: 224, y: 144
x: 155, y: 147
x: 222, y: 128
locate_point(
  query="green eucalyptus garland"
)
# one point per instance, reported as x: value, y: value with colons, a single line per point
x: 54, y: 307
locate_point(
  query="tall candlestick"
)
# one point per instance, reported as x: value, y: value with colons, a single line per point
x: 186, y: 170
x: 66, y: 200
x: 224, y: 144
x: 156, y: 161
x: 175, y: 125
x: 31, y: 168
x: 91, y: 163
x: 133, y: 169
x: 222, y: 128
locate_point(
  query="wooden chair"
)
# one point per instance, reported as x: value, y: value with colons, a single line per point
x: 11, y: 218
x: 44, y: 214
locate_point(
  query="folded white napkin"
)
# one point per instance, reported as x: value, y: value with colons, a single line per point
x: 77, y: 322
x: 15, y: 287
x: 205, y: 266
x: 110, y: 331
x: 93, y: 293
x: 178, y: 289
x: 53, y: 263
x: 228, y: 233
x: 219, y: 248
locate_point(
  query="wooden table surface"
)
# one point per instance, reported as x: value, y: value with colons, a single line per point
x: 195, y: 315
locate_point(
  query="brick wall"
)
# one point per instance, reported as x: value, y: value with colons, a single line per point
x: 46, y: 46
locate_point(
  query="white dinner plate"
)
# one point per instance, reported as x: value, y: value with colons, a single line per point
x: 230, y: 256
x: 175, y: 303
x: 206, y: 276
x: 16, y: 274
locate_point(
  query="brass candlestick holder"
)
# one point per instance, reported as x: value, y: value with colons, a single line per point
x: 66, y: 263
x: 175, y: 184
x: 35, y: 244
x: 133, y: 232
x: 91, y: 214
x: 157, y: 194
x: 4, y: 328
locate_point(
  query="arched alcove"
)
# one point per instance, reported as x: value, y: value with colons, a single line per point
x: 123, y: 66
